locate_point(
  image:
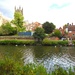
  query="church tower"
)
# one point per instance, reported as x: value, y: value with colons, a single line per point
x: 19, y: 10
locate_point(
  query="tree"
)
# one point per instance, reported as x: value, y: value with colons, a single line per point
x: 7, y: 29
x: 57, y: 33
x: 39, y: 34
x: 48, y: 27
x: 18, y: 21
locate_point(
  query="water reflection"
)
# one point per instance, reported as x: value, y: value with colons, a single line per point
x: 64, y: 59
x: 28, y: 56
x: 13, y: 52
x: 49, y: 56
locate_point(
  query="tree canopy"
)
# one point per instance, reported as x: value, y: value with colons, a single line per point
x: 57, y: 33
x: 39, y: 34
x: 48, y: 27
x: 7, y: 29
x: 18, y: 21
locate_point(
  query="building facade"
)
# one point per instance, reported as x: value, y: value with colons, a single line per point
x: 32, y: 26
x: 3, y: 19
x: 68, y: 31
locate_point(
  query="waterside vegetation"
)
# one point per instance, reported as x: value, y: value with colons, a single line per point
x: 11, y: 67
x: 17, y: 42
x: 45, y: 42
x: 48, y: 42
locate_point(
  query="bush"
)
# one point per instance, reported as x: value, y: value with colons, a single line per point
x: 49, y: 42
x: 61, y: 71
x: 7, y: 29
x: 54, y: 42
x: 74, y: 42
x: 9, y: 67
x: 63, y: 43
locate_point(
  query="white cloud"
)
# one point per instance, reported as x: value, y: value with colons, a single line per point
x: 39, y: 10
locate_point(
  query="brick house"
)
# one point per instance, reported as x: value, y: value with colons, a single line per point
x: 68, y: 31
x: 62, y: 31
x: 32, y: 26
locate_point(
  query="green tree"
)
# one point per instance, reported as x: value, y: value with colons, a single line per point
x: 39, y: 34
x: 18, y: 21
x: 57, y: 33
x: 7, y: 29
x: 48, y: 27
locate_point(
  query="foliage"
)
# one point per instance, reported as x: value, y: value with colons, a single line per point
x: 7, y: 29
x: 63, y: 43
x: 61, y: 71
x: 45, y: 42
x: 73, y: 42
x: 48, y: 27
x: 54, y: 43
x: 18, y: 21
x: 13, y: 67
x: 48, y: 42
x: 9, y: 67
x: 57, y: 33
x: 17, y: 42
x: 66, y: 25
x: 39, y: 34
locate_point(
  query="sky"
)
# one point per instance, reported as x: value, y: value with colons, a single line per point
x: 59, y: 12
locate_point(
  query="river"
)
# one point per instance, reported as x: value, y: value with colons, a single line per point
x: 46, y: 55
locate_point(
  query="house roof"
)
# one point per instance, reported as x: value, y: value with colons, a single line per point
x: 71, y: 28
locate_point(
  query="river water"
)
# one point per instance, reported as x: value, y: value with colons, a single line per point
x: 46, y: 55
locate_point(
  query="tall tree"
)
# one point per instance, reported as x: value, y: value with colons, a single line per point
x: 18, y: 21
x: 39, y: 34
x: 48, y: 27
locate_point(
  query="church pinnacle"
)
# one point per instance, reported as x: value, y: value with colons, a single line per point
x: 19, y: 10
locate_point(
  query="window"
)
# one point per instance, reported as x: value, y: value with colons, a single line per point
x: 70, y: 31
x: 73, y: 34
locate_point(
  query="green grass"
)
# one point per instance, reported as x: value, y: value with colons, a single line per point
x: 11, y: 67
x: 48, y: 42
x: 18, y: 42
x: 45, y: 42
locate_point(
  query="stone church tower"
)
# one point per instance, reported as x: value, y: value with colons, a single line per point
x: 19, y: 10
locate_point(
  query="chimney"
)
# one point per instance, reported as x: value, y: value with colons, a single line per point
x: 15, y: 8
x: 19, y: 8
x: 67, y: 23
x: 72, y: 23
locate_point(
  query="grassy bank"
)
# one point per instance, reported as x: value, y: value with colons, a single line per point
x: 48, y: 42
x: 45, y: 42
x: 17, y: 42
x: 11, y: 67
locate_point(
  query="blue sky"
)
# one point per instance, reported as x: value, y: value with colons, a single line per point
x: 57, y: 6
x: 59, y: 12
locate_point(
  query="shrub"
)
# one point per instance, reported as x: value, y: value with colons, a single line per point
x: 49, y: 42
x: 63, y: 43
x: 74, y: 42
x: 54, y: 42
x: 9, y: 67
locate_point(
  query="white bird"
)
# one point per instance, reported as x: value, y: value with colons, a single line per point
x: 16, y: 45
x: 24, y: 45
x: 55, y: 46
